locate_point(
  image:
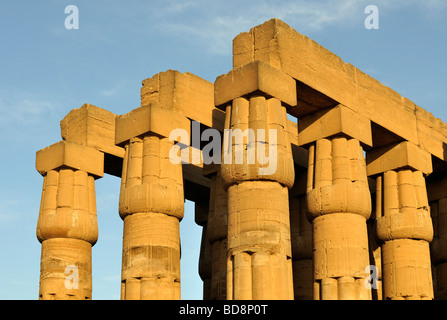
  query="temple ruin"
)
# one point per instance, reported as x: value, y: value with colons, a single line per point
x: 356, y: 208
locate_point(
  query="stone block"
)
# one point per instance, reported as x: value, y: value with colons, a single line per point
x: 58, y: 255
x: 93, y: 127
x: 243, y: 49
x: 334, y: 121
x: 184, y: 93
x: 256, y: 76
x: 407, y: 270
x: 71, y: 155
x: 149, y: 118
x: 402, y: 155
x: 385, y: 107
x: 326, y: 75
x: 431, y: 132
x: 340, y: 246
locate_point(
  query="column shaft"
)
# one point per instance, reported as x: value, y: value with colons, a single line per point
x: 217, y: 230
x: 339, y: 204
x: 301, y: 237
x: 201, y: 212
x: 151, y: 205
x: 205, y: 262
x: 259, y: 262
x: 67, y: 228
x: 439, y: 246
x: 405, y: 229
x: 375, y: 250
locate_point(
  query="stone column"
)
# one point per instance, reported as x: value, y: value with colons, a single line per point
x: 151, y: 205
x: 339, y: 201
x: 259, y: 264
x: 201, y: 208
x: 67, y: 226
x: 438, y: 208
x: 375, y: 250
x: 301, y: 238
x: 217, y: 229
x: 404, y: 226
x: 205, y: 264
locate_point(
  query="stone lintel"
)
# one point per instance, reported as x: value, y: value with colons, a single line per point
x: 256, y: 76
x: 334, y: 121
x: 93, y: 127
x: 398, y: 156
x: 327, y: 79
x: 150, y: 118
x: 71, y: 155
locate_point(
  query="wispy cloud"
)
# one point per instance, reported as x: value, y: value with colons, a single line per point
x: 109, y: 92
x: 312, y: 15
x: 116, y: 88
x: 24, y: 108
x: 426, y: 5
x: 216, y: 24
x: 174, y: 6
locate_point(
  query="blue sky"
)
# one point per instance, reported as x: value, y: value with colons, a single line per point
x: 47, y: 70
